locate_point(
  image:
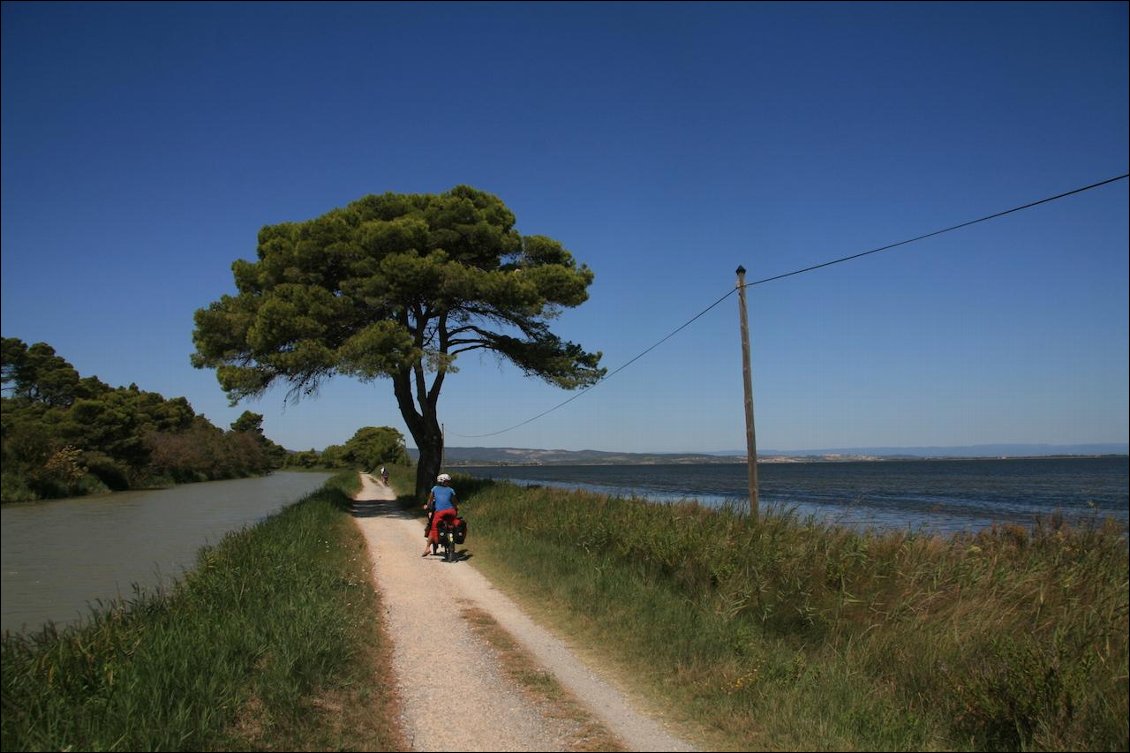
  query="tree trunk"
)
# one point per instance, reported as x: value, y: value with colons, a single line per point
x: 425, y: 430
x: 428, y: 467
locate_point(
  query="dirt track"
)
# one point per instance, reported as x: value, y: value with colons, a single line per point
x: 493, y: 713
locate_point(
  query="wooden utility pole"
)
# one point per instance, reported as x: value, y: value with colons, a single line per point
x: 747, y: 379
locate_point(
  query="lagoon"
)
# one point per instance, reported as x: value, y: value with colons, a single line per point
x: 929, y: 496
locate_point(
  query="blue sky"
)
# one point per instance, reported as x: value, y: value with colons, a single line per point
x: 664, y: 144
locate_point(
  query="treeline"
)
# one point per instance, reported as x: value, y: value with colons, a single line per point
x: 66, y: 435
x: 368, y: 449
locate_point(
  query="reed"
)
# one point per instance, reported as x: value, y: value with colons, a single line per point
x: 784, y: 634
x: 271, y: 643
x: 787, y: 633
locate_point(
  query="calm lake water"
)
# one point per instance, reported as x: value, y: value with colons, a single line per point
x: 60, y: 557
x: 932, y: 496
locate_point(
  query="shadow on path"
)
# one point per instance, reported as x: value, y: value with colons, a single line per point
x: 392, y: 508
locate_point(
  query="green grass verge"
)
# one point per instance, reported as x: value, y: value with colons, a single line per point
x: 271, y: 643
x: 792, y: 635
x: 784, y: 635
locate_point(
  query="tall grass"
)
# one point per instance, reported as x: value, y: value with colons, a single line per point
x: 791, y: 634
x: 271, y: 642
x: 780, y: 634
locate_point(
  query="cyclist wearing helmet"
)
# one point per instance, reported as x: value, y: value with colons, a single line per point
x: 444, y: 506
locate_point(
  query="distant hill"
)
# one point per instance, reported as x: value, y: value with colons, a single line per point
x: 969, y: 451
x: 456, y: 456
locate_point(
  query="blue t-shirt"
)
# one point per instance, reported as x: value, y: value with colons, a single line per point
x: 444, y: 496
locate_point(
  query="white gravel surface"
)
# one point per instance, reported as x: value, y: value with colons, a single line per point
x: 455, y: 698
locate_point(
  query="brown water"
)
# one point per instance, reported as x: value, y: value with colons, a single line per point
x: 61, y: 557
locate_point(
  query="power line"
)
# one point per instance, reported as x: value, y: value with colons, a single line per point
x: 944, y: 230
x: 606, y: 377
x: 697, y: 316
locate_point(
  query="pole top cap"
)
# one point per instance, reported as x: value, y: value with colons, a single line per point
x: 741, y: 270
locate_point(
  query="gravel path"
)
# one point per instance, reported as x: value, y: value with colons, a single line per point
x: 491, y: 713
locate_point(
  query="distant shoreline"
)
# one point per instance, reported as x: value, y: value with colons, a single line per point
x: 768, y: 459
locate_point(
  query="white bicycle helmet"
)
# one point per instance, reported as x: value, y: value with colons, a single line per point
x: 443, y: 478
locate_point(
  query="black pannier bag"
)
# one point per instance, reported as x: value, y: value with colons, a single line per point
x: 460, y: 530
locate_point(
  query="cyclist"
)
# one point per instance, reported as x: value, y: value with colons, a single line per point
x: 443, y: 505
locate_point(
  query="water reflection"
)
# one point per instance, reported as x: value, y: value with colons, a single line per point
x: 60, y: 557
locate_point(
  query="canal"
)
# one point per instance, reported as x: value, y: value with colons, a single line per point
x: 62, y: 557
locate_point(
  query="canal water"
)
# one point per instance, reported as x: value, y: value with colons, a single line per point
x: 62, y: 557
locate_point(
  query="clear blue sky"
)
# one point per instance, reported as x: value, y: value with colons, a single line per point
x: 664, y: 144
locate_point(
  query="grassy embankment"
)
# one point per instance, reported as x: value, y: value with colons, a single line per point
x: 782, y: 635
x: 793, y: 635
x: 271, y: 643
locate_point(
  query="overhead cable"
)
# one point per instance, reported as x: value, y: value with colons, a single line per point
x: 1124, y: 176
x: 888, y: 247
x: 606, y: 376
